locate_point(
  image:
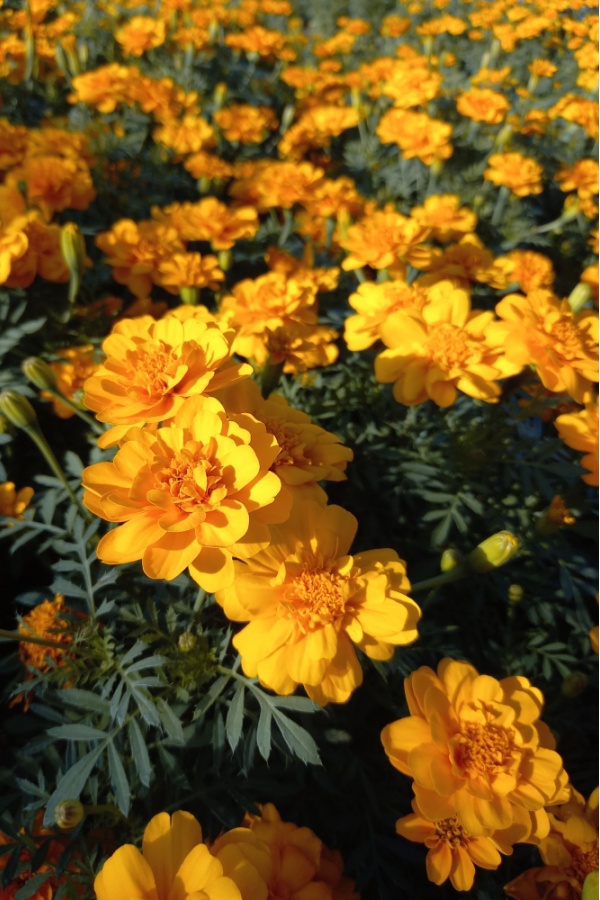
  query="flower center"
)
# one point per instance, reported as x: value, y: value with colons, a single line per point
x: 451, y: 832
x: 314, y: 597
x: 568, y: 337
x: 582, y: 864
x: 448, y: 346
x: 481, y: 749
x: 190, y: 478
x: 150, y: 370
x: 291, y: 451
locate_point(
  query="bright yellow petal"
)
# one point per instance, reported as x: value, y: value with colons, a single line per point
x: 167, y: 842
x: 126, y: 874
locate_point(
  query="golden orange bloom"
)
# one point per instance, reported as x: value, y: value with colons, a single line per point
x: 191, y: 494
x: 444, y: 348
x: 542, y: 68
x: 395, y: 26
x: 135, y: 249
x: 315, y: 128
x: 516, y: 172
x: 483, y: 105
x: 259, y: 40
x: 307, y: 602
x: 375, y: 301
x: 282, y: 184
x: 189, y: 134
x: 382, y: 238
x: 49, y: 621
x: 174, y: 864
x: 417, y: 135
x: 569, y: 853
x: 468, y: 260
x: 13, y: 144
x: 209, y: 220
x: 542, y: 331
x: 206, y: 165
x: 139, y: 34
x: 578, y: 110
x: 13, y: 503
x: 13, y: 246
x: 152, y: 367
x: 580, y: 431
x: 31, y: 247
x: 581, y: 177
x: 411, y: 83
x: 189, y: 270
x: 246, y: 124
x: 302, y: 270
x: 54, y: 183
x: 477, y: 749
x: 76, y: 365
x: 531, y: 270
x: 443, y: 214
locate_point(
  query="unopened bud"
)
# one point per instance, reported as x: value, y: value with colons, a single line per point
x: 515, y: 593
x: 451, y: 559
x: 189, y: 295
x: 187, y: 641
x: 287, y: 117
x: 494, y: 552
x: 39, y: 373
x: 18, y: 409
x: 224, y: 257
x: 219, y: 95
x: 580, y: 296
x: 504, y: 136
x: 574, y: 684
x: 555, y: 516
x: 68, y: 814
x: 590, y: 886
x: 72, y: 247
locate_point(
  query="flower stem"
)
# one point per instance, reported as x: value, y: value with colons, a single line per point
x: 271, y: 375
x: 30, y: 639
x: 42, y: 444
x: 503, y: 196
x: 439, y: 580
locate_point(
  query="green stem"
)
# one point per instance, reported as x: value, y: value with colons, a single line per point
x: 440, y: 580
x: 25, y: 639
x: 503, y: 196
x: 271, y: 375
x: 94, y: 425
x: 41, y: 443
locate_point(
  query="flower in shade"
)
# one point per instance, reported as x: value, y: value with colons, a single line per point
x: 13, y: 502
x: 152, y: 367
x: 191, y: 494
x: 477, y: 749
x: 246, y: 124
x: 446, y: 218
x: 189, y: 270
x: 308, y: 602
x: 77, y: 364
x: 542, y: 331
x: 443, y: 349
x: 579, y: 430
x: 521, y: 175
x: 173, y: 864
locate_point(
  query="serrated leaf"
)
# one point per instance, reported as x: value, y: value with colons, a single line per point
x: 150, y: 662
x: 76, y: 732
x: 299, y: 741
x: 73, y: 782
x: 235, y: 717
x: 139, y: 753
x: 62, y: 585
x: 263, y: 732
x: 85, y: 700
x: 170, y: 722
x: 118, y: 779
x: 32, y: 885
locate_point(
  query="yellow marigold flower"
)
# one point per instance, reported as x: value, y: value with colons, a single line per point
x: 209, y: 220
x: 189, y: 270
x: 265, y: 43
x: 569, y: 853
x: 477, y: 750
x: 411, y: 83
x: 135, y: 249
x: 443, y: 214
x: 315, y: 128
x: 444, y: 348
x: 516, y: 172
x: 581, y: 177
x: 452, y: 852
x: 302, y: 270
x: 468, y: 260
x: 245, y: 123
x: 191, y: 494
x: 382, y: 238
x: 374, y: 302
x: 542, y: 68
x: 579, y: 110
x: 190, y: 134
x: 104, y: 87
x: 13, y: 246
x: 491, y: 76
x: 307, y: 602
x: 299, y: 347
x: 580, y: 431
x: 531, y: 270
x: 206, y: 165
x: 417, y: 134
x: 76, y: 366
x: 542, y: 331
x: 282, y: 184
x: 139, y: 34
x: 483, y: 105
x: 395, y: 26
x: 173, y: 863
x: 13, y: 503
x: 54, y: 183
x: 152, y: 367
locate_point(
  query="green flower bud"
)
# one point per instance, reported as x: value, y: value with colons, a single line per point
x: 18, y: 409
x: 451, y: 559
x: 187, y: 641
x: 515, y: 593
x: 590, y: 886
x: 579, y: 296
x: 72, y: 247
x: 493, y: 552
x: 574, y: 684
x: 189, y: 295
x: 39, y: 373
x: 68, y: 814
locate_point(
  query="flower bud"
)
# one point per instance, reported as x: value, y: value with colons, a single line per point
x: 590, y: 886
x: 68, y: 814
x: 219, y: 95
x: 39, y: 373
x: 574, y: 684
x: 579, y: 296
x: 451, y: 559
x: 224, y: 257
x: 555, y: 516
x: 493, y: 552
x: 187, y: 641
x: 504, y: 136
x: 515, y: 593
x: 287, y: 117
x: 72, y: 247
x: 189, y: 295
x: 18, y: 409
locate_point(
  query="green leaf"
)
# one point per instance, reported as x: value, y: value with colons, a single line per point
x: 263, y: 732
x: 118, y: 779
x: 235, y: 716
x: 73, y: 781
x: 76, y: 732
x: 170, y: 722
x: 139, y: 753
x: 32, y: 885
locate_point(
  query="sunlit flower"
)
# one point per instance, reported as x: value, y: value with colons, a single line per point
x: 210, y: 220
x: 246, y: 124
x: 443, y: 214
x: 173, y: 863
x: 77, y: 364
x: 443, y: 349
x: 191, y: 494
x: 542, y: 331
x: 417, y: 134
x: 531, y: 270
x: 411, y: 83
x: 307, y: 602
x: 139, y: 34
x: 152, y: 367
x: 13, y: 246
x: 523, y: 176
x: 135, y: 249
x: 189, y: 134
x: 13, y: 503
x: 315, y: 128
x: 375, y: 301
x: 580, y: 431
x: 477, y: 750
x: 483, y: 105
x: 189, y: 270
x: 383, y: 238
x: 282, y: 184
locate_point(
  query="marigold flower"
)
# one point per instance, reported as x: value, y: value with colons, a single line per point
x: 53, y: 850
x: 477, y: 750
x: 468, y: 260
x: 210, y: 220
x: 580, y: 431
x: 135, y: 249
x: 315, y: 128
x: 581, y: 177
x: 417, y: 134
x: 441, y: 349
x: 77, y: 365
x: 191, y: 494
x: 443, y: 214
x: 516, y: 172
x: 173, y: 863
x: 139, y: 34
x: 542, y: 331
x: 206, y: 165
x: 483, y: 105
x: 411, y: 83
x: 13, y: 246
x: 190, y: 134
x: 374, y: 302
x: 13, y: 503
x: 50, y: 621
x: 152, y: 367
x: 382, y: 238
x: 282, y: 184
x: 189, y: 270
x: 307, y: 602
x: 246, y: 124
x: 54, y: 183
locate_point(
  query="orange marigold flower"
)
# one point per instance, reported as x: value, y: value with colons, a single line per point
x: 54, y: 183
x: 523, y: 176
x: 531, y: 270
x: 307, y: 602
x: 104, y: 87
x: 580, y: 431
x: 374, y: 302
x: 245, y: 123
x: 417, y: 135
x: 139, y: 34
x: 315, y: 128
x: 206, y: 165
x: 483, y: 105
x: 569, y: 853
x: 51, y: 622
x: 13, y: 503
x: 189, y: 270
x: 302, y: 270
x: 444, y: 348
x: 477, y: 749
x: 53, y: 849
x: 135, y: 250
x: 13, y: 144
x: 542, y: 68
x: 191, y: 494
x: 581, y: 177
x: 42, y: 254
x: 261, y: 41
x: 152, y: 367
x: 395, y: 26
x: 190, y: 134
x: 76, y: 365
x: 282, y: 184
x: 173, y: 862
x: 299, y: 347
x: 468, y: 260
x: 542, y: 331
x: 13, y: 246
x: 411, y: 83
x: 382, y: 238
x: 210, y: 220
x: 443, y: 214
x: 579, y: 111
